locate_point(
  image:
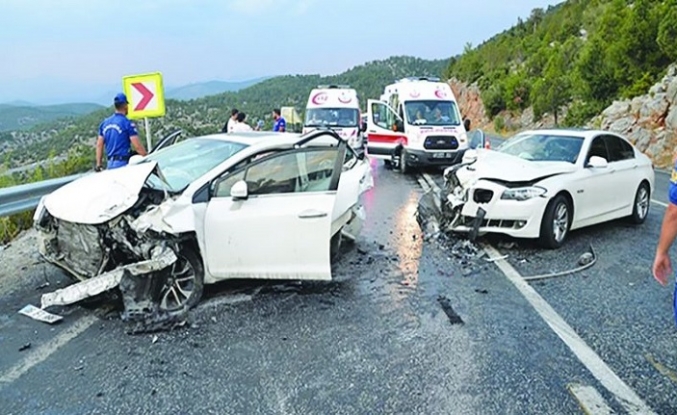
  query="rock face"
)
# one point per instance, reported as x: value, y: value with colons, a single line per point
x: 470, y: 102
x: 648, y: 121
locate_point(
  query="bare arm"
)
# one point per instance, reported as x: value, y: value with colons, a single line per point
x: 668, y: 230
x: 99, y: 151
x: 137, y: 145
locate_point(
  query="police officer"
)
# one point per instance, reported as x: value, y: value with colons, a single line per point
x: 117, y: 134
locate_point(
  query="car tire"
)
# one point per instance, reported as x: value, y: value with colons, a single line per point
x: 388, y: 164
x: 335, y: 246
x: 640, y: 207
x: 189, y: 257
x: 556, y: 222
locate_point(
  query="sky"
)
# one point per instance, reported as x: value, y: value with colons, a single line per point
x: 75, y: 50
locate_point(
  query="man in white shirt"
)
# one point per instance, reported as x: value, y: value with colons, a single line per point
x: 241, y: 125
x: 228, y: 126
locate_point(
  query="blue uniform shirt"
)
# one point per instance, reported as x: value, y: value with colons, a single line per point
x: 280, y: 123
x: 672, y: 193
x: 116, y: 131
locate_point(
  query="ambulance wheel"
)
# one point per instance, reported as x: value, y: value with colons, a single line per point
x: 404, y: 167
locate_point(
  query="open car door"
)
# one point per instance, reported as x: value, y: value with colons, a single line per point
x: 272, y: 219
x: 385, y: 129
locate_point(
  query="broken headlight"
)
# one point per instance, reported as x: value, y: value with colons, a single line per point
x: 523, y: 193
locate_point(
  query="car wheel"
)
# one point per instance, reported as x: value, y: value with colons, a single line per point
x: 556, y: 222
x: 640, y: 208
x: 335, y: 246
x: 184, y: 282
x: 388, y: 163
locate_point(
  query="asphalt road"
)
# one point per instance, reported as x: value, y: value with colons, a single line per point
x: 405, y: 329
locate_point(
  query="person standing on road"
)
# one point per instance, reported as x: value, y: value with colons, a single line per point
x: 117, y: 135
x: 230, y: 122
x: 280, y: 125
x: 662, y: 266
x: 240, y: 125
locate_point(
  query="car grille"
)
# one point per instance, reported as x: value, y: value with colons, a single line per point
x: 440, y: 142
x: 482, y: 195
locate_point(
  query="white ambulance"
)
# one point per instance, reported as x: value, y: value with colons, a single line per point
x: 417, y: 122
x: 336, y: 107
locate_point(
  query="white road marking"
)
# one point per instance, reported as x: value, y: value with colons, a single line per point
x: 658, y: 202
x: 599, y: 369
x: 590, y: 400
x: 41, y: 353
x: 603, y: 373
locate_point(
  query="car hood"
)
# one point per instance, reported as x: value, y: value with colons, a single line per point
x: 491, y: 164
x: 99, y: 197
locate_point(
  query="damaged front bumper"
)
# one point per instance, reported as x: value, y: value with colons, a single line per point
x: 476, y: 207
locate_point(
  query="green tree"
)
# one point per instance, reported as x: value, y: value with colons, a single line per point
x: 552, y: 91
x: 667, y: 30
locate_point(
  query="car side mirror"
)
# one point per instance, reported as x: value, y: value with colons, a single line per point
x: 135, y: 159
x: 466, y: 124
x: 239, y: 191
x: 363, y: 127
x: 597, y: 162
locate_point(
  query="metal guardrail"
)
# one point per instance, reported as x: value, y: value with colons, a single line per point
x: 25, y: 197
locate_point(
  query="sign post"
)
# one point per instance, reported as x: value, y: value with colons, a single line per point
x: 146, y: 98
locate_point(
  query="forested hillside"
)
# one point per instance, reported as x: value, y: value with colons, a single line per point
x: 22, y: 116
x: 579, y: 55
x: 208, y: 114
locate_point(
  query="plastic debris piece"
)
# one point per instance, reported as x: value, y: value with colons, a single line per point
x: 40, y: 314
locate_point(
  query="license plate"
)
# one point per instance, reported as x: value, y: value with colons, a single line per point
x: 442, y: 155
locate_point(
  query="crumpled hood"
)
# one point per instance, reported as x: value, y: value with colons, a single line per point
x: 495, y: 165
x: 99, y: 197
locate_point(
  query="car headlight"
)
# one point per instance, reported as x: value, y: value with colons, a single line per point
x: 523, y: 193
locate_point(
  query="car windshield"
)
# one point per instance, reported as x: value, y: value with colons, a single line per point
x: 187, y: 160
x: 332, y: 117
x: 543, y: 147
x: 432, y: 112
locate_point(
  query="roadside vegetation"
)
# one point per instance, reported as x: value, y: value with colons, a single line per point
x: 580, y: 54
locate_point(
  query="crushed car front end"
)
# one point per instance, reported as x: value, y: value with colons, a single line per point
x: 487, y: 205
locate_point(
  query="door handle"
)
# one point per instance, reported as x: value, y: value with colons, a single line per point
x: 312, y: 213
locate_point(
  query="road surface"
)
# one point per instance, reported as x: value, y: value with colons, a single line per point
x: 411, y: 326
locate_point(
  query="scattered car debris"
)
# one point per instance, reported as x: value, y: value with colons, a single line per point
x: 25, y: 347
x: 481, y: 291
x: 449, y: 310
x: 585, y: 261
x: 39, y: 314
x: 41, y: 286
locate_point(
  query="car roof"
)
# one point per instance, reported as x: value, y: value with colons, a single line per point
x: 264, y: 140
x: 576, y: 132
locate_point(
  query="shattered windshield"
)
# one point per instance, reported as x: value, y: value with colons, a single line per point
x: 182, y: 163
x: 543, y: 147
x: 332, y: 117
x: 432, y: 112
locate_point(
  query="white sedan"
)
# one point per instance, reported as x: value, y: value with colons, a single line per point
x: 544, y: 183
x: 224, y: 206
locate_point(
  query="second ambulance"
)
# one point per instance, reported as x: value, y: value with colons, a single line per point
x: 336, y: 107
x: 417, y: 122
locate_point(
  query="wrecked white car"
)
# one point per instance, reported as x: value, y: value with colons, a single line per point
x: 211, y: 208
x: 544, y: 183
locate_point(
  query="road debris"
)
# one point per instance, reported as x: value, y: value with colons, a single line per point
x: 585, y: 261
x: 25, y: 347
x: 481, y: 291
x: 39, y: 314
x: 496, y: 259
x: 449, y: 310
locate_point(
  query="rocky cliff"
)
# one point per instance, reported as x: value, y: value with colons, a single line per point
x: 649, y: 121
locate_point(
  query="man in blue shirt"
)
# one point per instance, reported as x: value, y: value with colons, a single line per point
x: 662, y: 267
x: 280, y: 125
x: 117, y: 134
